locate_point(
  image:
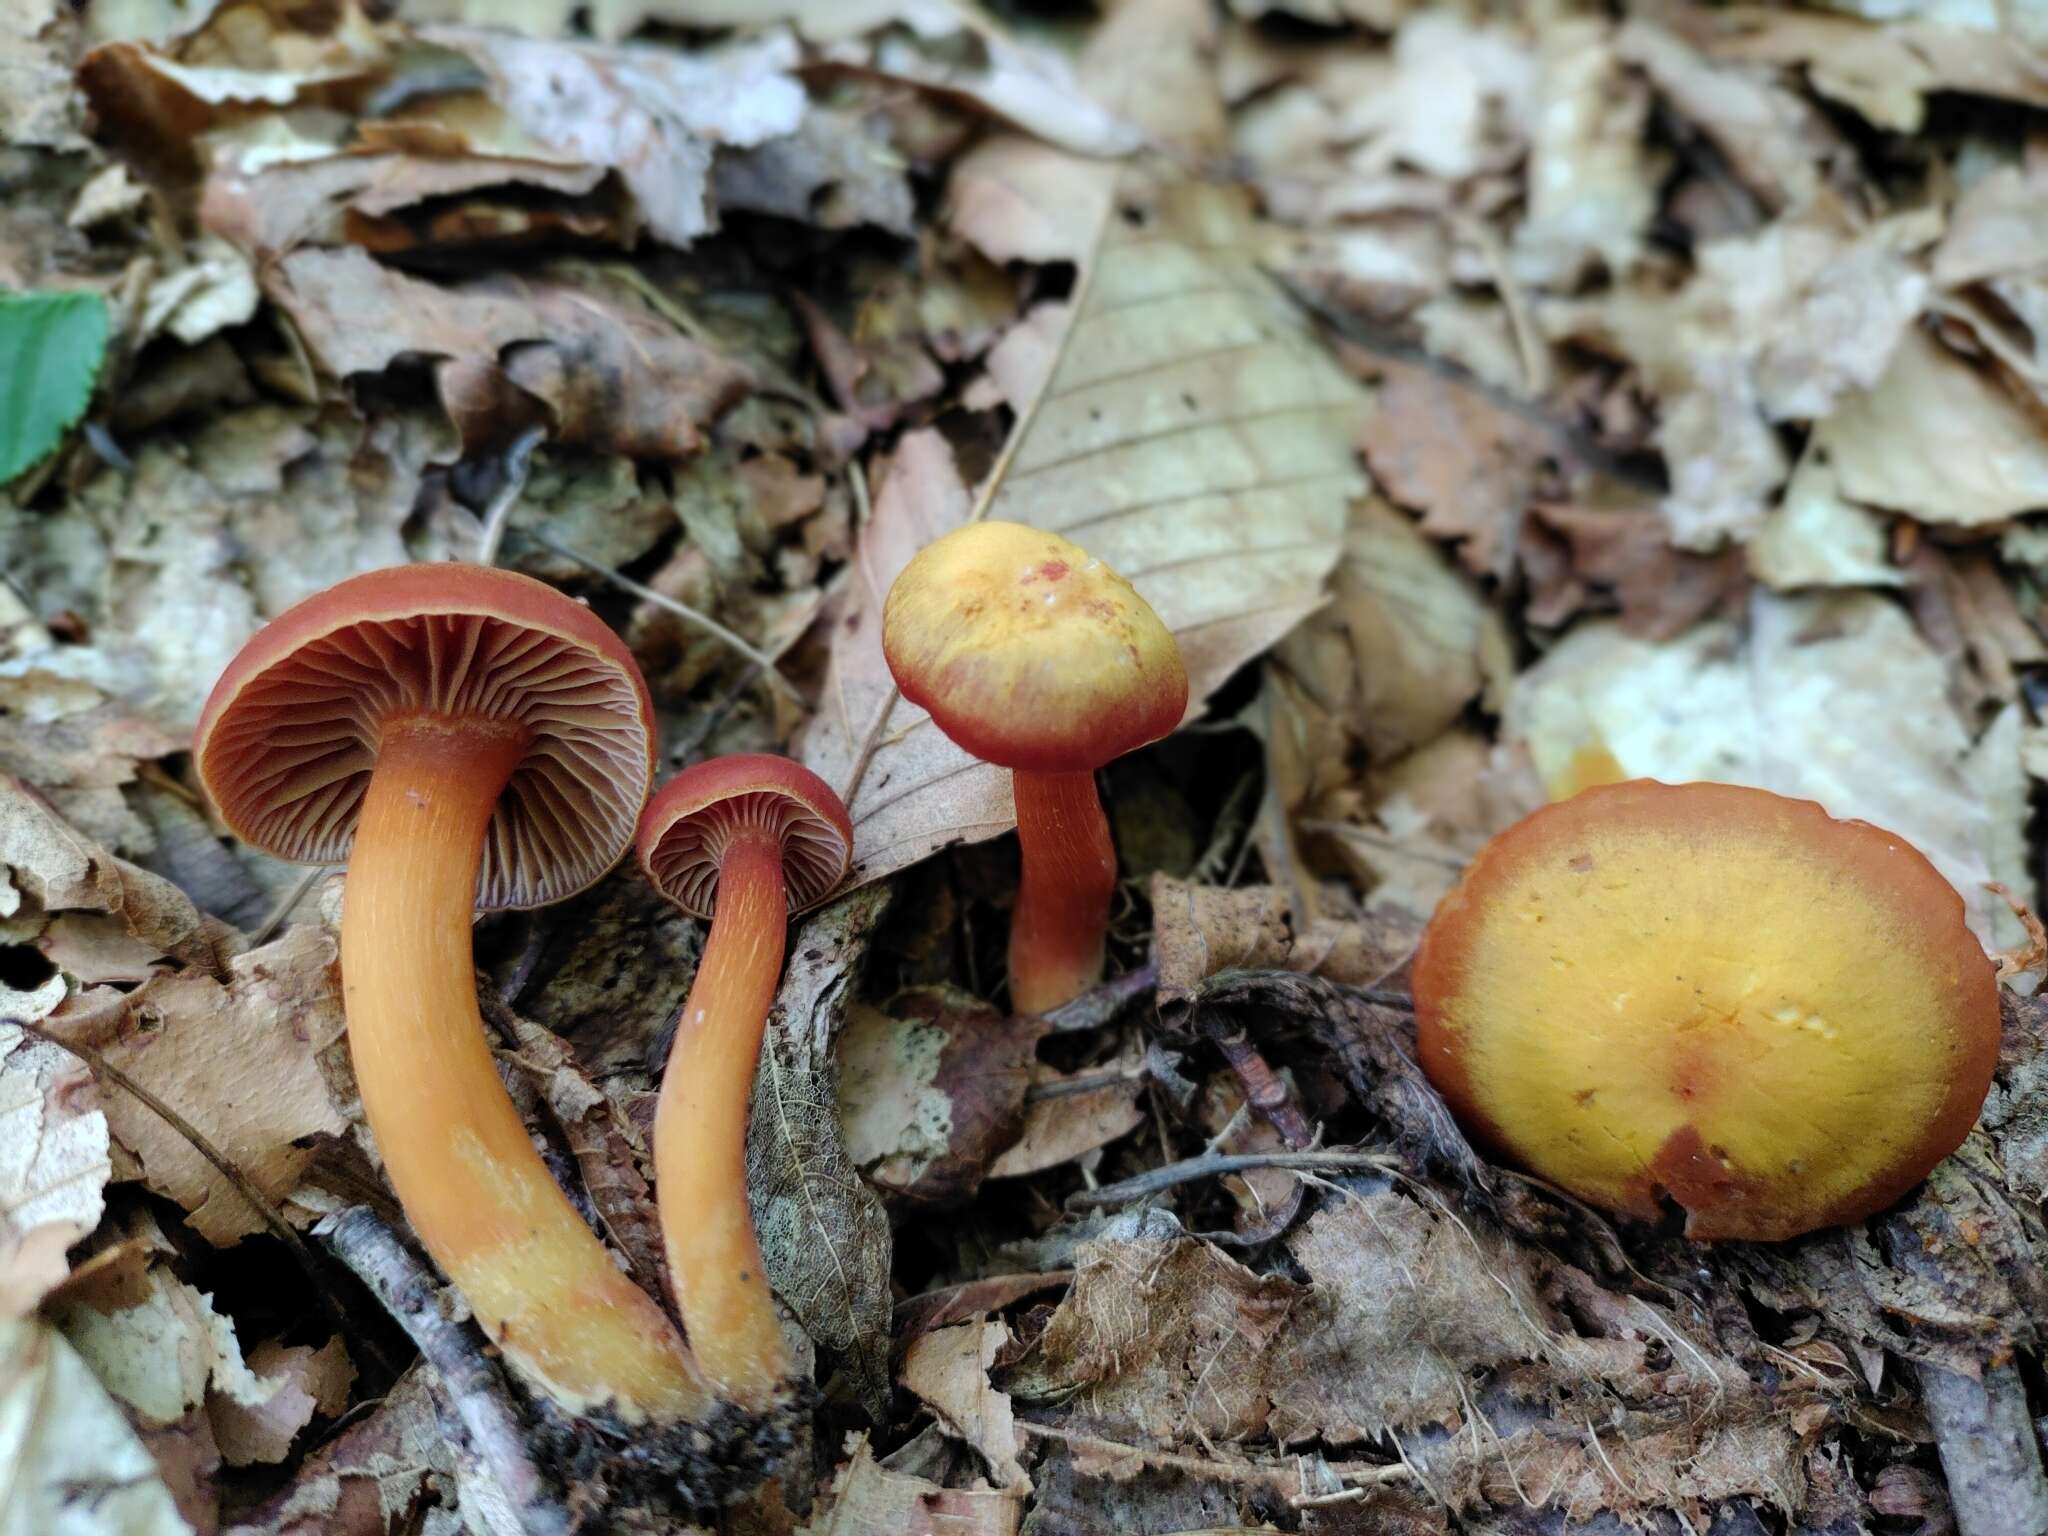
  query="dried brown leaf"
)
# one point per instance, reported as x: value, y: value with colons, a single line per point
x: 824, y: 1236
x: 868, y: 1499
x: 1198, y: 930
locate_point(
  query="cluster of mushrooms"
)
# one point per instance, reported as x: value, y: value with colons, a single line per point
x: 1699, y: 993
x: 466, y: 738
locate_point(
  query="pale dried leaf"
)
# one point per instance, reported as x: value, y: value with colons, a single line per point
x: 948, y: 1368
x: 1198, y: 930
x: 165, y: 1354
x: 1834, y: 698
x: 59, y: 1433
x: 304, y: 1382
x: 1061, y: 1124
x: 54, y: 1154
x: 868, y: 1499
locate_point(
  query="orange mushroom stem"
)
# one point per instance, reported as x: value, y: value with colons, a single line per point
x: 1035, y: 656
x: 460, y: 736
x: 1710, y: 995
x: 745, y: 840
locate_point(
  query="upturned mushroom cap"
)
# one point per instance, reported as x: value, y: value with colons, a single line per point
x: 694, y: 818
x: 1715, y: 994
x: 1029, y: 652
x: 289, y: 735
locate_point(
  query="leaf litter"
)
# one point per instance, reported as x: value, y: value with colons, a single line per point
x: 1495, y: 401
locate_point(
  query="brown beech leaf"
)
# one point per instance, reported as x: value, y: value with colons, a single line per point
x: 1189, y: 431
x: 1198, y: 930
x: 824, y: 1235
x: 237, y: 1059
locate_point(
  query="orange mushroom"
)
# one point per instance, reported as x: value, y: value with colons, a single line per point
x: 464, y: 737
x: 1776, y: 1019
x: 745, y: 841
x: 1036, y: 657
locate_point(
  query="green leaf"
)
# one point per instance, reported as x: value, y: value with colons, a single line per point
x: 51, y: 348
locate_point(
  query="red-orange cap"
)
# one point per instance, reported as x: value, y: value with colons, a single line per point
x: 690, y: 822
x: 1029, y: 652
x: 289, y: 735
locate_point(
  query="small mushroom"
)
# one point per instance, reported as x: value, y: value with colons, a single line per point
x: 464, y: 738
x: 1037, y: 657
x: 1713, y: 994
x: 745, y: 841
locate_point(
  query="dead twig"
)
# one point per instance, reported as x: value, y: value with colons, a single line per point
x: 1278, y: 1475
x: 518, y: 463
x: 455, y: 1351
x: 1989, y: 1455
x: 1209, y: 1164
x: 1100, y: 1005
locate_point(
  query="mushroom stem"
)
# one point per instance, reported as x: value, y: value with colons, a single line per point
x: 477, y: 1193
x: 700, y: 1131
x: 1056, y: 933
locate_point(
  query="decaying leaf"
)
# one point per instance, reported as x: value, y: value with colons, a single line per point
x: 61, y: 1433
x: 931, y: 1088
x: 1199, y: 930
x: 184, y: 1036
x: 54, y: 1155
x: 868, y: 1499
x: 824, y: 1237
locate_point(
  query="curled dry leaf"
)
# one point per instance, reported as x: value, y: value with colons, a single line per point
x: 868, y: 1499
x: 54, y: 1155
x: 1198, y: 930
x: 824, y: 1236
x: 305, y: 1382
x: 1063, y: 1119
x: 654, y: 116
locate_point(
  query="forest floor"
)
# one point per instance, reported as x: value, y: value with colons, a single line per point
x: 1495, y: 400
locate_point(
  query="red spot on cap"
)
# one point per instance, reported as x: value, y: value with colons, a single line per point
x: 1053, y: 570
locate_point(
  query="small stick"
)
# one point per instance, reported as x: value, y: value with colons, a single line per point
x: 455, y: 1352
x: 1263, y: 1088
x: 1985, y: 1434
x: 518, y: 462
x: 1281, y: 1477
x: 1211, y: 1163
x: 1098, y: 1006
x: 286, y: 905
x: 683, y: 611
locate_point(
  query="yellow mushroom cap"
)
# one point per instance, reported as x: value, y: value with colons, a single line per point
x: 1711, y: 994
x: 1029, y: 652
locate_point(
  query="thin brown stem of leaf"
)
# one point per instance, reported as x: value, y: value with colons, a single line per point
x: 1211, y: 1164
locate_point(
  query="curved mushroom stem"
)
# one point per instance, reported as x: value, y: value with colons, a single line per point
x: 1056, y: 933
x: 700, y: 1131
x: 479, y: 1196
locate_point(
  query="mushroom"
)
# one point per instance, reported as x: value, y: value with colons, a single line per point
x: 1776, y: 1019
x: 745, y: 841
x: 1036, y: 657
x: 464, y: 738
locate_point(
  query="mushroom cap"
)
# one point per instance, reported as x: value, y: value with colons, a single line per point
x: 1029, y: 652
x: 1716, y: 994
x: 694, y: 818
x: 289, y: 734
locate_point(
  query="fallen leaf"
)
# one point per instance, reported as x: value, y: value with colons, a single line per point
x: 931, y: 1088
x: 1817, y: 537
x: 305, y: 1381
x: 54, y: 1155
x: 1064, y: 1120
x: 654, y: 116
x: 165, y: 1354
x: 1830, y: 697
x: 1160, y: 1339
x: 61, y: 1433
x: 948, y: 1369
x: 1199, y: 930
x: 1405, y: 644
x: 583, y: 356
x: 1939, y: 439
x: 824, y: 1236
x: 182, y: 1036
x: 867, y: 1499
